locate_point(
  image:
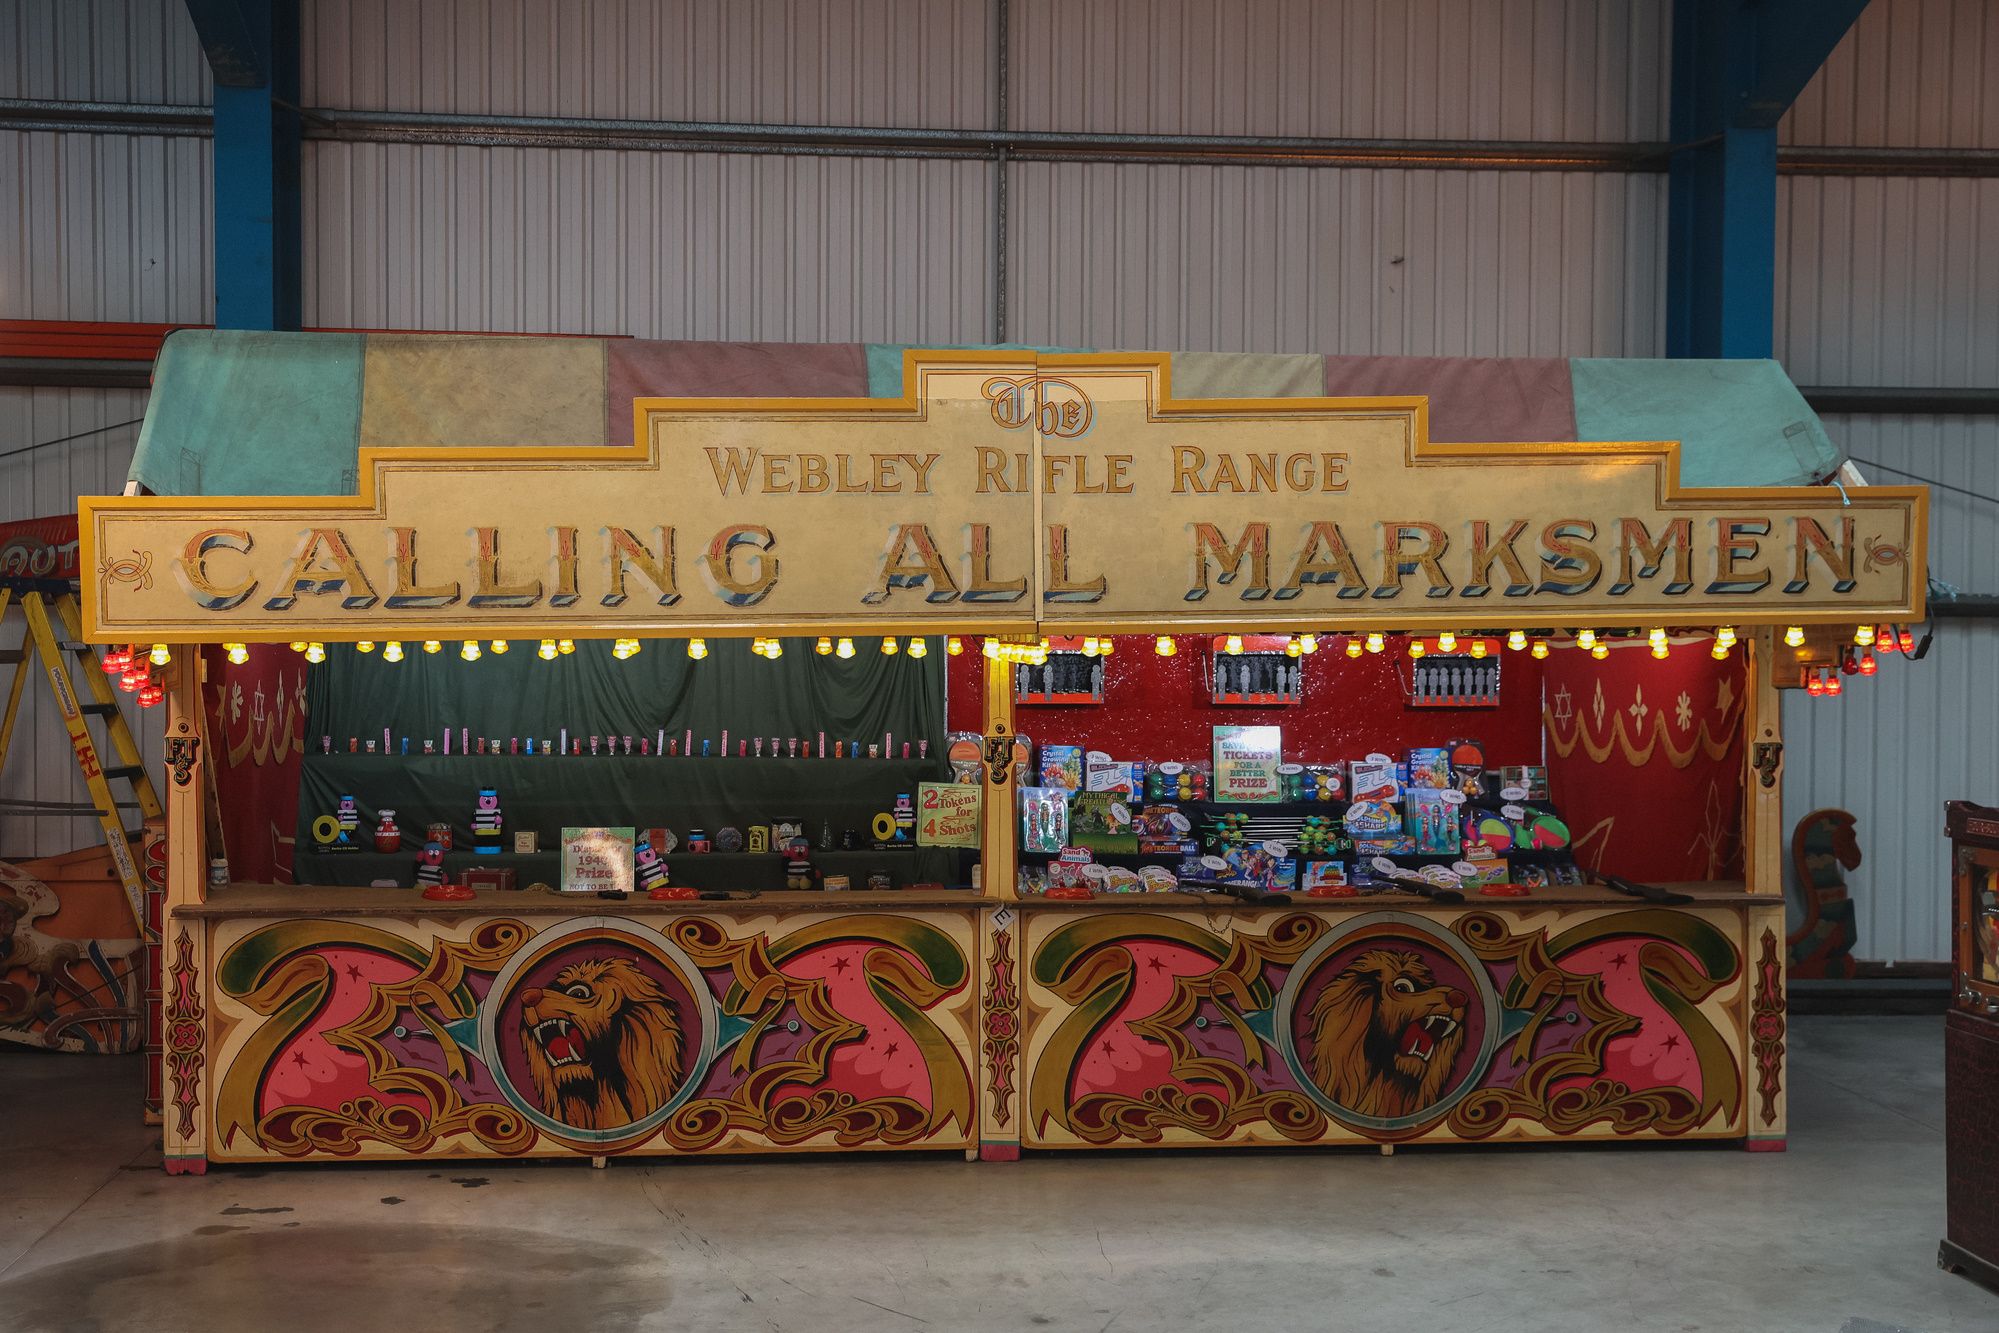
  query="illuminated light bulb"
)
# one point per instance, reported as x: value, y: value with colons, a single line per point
x: 824, y: 647
x: 150, y: 695
x: 772, y: 649
x: 1540, y: 649
x: 991, y: 648
x: 432, y: 646
x: 565, y: 646
x: 392, y: 651
x: 1353, y: 646
x: 1416, y: 648
x: 697, y: 648
x: 1794, y: 636
x: 1815, y: 684
x: 1292, y: 648
x: 631, y: 647
x: 1660, y: 649
x: 1090, y: 646
x: 845, y: 648
x: 1165, y: 646
x: 315, y: 652
x: 1906, y: 642
x: 131, y: 678
x: 469, y: 650
x: 1725, y: 636
x: 1868, y: 666
x: 1308, y: 643
x: 1478, y: 648
x: 1105, y: 647
x: 1601, y: 651
x: 114, y: 661
x: 1863, y: 635
x: 1833, y: 686
x: 1719, y: 652
x: 498, y: 645
x: 1233, y: 645
x: 919, y: 647
x: 954, y: 645
x: 546, y: 650
x: 365, y: 646
x: 159, y: 656
x: 1516, y: 639
x: 1375, y: 642
x: 1586, y: 638
x: 1447, y: 642
x: 1656, y: 637
x: 238, y: 653
x: 889, y: 646
x: 298, y: 645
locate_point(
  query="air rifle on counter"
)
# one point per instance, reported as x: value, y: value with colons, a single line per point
x: 1651, y: 893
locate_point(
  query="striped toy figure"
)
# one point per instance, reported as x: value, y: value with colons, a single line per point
x: 487, y: 823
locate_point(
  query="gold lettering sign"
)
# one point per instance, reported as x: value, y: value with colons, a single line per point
x: 1006, y: 493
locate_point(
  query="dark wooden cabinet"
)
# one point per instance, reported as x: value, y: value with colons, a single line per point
x: 1971, y: 1047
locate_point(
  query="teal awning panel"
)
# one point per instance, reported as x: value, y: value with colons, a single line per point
x: 1739, y: 423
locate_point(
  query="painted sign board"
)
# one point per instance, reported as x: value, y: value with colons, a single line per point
x: 1006, y: 493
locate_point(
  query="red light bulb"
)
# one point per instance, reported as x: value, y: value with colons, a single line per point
x: 1868, y: 666
x: 151, y: 695
x: 1815, y: 684
x: 1833, y: 685
x: 1906, y: 640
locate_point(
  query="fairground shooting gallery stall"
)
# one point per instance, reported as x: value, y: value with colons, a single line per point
x: 1247, y: 818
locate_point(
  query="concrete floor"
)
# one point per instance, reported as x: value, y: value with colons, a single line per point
x: 1839, y: 1234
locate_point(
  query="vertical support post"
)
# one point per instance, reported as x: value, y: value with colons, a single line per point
x: 1737, y: 67
x: 1001, y: 1094
x: 184, y: 939
x: 1763, y: 868
x: 253, y: 50
x: 997, y: 851
x: 153, y: 864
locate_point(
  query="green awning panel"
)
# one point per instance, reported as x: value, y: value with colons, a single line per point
x: 1739, y: 423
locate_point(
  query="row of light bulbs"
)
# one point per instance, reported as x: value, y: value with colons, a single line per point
x: 1035, y: 653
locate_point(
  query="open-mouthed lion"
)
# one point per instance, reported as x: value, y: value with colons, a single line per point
x: 1385, y: 1034
x: 602, y: 1044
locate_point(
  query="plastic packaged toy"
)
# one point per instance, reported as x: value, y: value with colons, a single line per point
x: 1313, y: 782
x: 1044, y: 819
x: 1429, y: 819
x: 1429, y: 767
x: 1174, y: 781
x: 1062, y: 766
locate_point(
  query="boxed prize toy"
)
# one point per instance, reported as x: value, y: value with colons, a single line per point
x: 1532, y: 779
x: 1322, y: 876
x: 1373, y: 779
x: 1103, y: 773
x: 1062, y: 766
x: 1101, y: 821
x: 1163, y: 831
x: 1429, y: 819
x: 1430, y: 767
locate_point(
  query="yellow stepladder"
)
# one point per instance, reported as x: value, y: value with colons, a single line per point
x: 46, y: 614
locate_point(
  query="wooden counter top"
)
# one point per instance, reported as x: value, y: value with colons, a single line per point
x: 290, y: 900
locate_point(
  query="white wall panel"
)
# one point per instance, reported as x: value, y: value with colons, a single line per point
x: 1424, y: 263
x: 1892, y: 750
x: 105, y: 227
x: 35, y: 483
x: 1888, y: 281
x: 1960, y: 451
x: 658, y: 245
x: 1911, y: 74
x: 102, y: 51
x: 842, y: 62
x: 1590, y: 70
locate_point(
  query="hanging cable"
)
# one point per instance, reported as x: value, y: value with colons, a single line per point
x: 65, y: 439
x: 1929, y: 481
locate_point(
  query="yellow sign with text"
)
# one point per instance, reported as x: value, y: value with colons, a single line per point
x: 1004, y: 493
x: 948, y: 814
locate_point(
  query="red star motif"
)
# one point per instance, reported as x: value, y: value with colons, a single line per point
x: 298, y: 1058
x: 1156, y: 965
x: 353, y: 972
x: 892, y: 1049
x: 1620, y: 960
x: 842, y: 963
x: 1671, y: 1042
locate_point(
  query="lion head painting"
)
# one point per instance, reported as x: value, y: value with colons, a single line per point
x: 603, y: 1047
x: 1385, y: 1034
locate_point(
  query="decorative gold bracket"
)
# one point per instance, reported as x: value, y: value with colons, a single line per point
x: 1766, y: 758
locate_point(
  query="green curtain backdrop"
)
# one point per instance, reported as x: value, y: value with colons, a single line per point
x: 589, y: 692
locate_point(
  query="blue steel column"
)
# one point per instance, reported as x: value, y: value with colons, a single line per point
x: 253, y: 49
x: 1737, y: 67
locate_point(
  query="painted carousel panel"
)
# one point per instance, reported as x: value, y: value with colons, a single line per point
x: 512, y: 1036
x: 1181, y: 1028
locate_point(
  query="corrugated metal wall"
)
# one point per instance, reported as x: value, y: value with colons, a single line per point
x: 40, y: 766
x: 1882, y: 281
